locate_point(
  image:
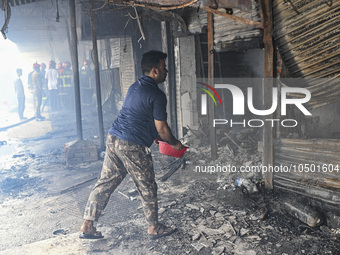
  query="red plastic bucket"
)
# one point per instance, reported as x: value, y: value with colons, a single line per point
x: 166, y: 149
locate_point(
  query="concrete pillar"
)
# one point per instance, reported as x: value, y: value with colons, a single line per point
x: 186, y: 83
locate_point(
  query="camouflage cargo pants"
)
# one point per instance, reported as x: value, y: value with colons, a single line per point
x: 124, y: 158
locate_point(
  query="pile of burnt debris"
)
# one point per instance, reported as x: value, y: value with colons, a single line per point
x: 238, y: 155
x: 235, y: 214
x: 230, y: 223
x: 239, y: 163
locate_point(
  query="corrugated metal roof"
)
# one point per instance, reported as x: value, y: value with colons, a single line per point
x: 308, y: 37
x: 232, y: 35
x: 21, y: 2
x: 228, y: 34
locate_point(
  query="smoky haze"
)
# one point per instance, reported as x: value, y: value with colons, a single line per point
x: 10, y: 60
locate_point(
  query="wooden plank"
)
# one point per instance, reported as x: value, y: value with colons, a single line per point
x: 211, y: 108
x: 266, y: 8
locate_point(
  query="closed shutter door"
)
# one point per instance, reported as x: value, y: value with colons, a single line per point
x: 127, y: 65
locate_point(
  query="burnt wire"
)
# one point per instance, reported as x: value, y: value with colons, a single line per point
x: 7, y: 8
x: 173, y: 166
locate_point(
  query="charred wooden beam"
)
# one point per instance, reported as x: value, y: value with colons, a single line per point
x: 243, y: 5
x: 158, y: 5
x: 211, y: 108
x: 267, y: 160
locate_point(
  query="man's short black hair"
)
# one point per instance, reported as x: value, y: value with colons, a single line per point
x: 151, y: 59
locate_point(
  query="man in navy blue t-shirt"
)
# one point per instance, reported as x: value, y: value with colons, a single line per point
x: 141, y: 121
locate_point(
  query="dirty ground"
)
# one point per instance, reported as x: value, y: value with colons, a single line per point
x: 42, y: 201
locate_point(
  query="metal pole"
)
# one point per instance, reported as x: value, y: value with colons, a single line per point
x: 267, y: 159
x: 211, y: 109
x: 97, y: 76
x: 75, y: 67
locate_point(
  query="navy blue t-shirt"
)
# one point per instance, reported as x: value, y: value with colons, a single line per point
x: 143, y: 103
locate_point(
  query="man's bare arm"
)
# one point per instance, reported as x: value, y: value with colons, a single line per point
x: 166, y: 135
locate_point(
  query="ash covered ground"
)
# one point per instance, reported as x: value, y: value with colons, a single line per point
x: 42, y: 200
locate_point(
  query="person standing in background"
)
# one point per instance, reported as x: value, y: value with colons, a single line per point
x: 60, y: 68
x: 52, y: 80
x: 86, y: 86
x: 42, y: 73
x: 20, y: 93
x: 66, y: 78
x: 45, y: 98
x: 30, y: 87
x: 38, y: 91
